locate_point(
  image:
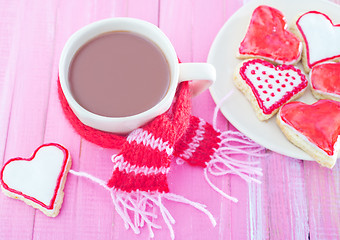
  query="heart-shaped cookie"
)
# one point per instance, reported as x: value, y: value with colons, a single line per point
x: 267, y: 37
x: 325, y: 81
x: 314, y: 128
x: 267, y: 86
x: 39, y: 180
x: 321, y: 38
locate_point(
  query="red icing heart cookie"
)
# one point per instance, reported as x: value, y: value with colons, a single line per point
x: 268, y: 38
x: 321, y: 38
x: 325, y: 81
x: 314, y: 128
x: 267, y: 86
x: 38, y: 181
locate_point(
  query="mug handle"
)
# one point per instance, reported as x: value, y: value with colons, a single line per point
x: 201, y: 74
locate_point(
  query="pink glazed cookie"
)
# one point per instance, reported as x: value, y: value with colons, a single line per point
x: 267, y: 38
x: 314, y: 128
x: 320, y: 36
x: 325, y: 81
x: 39, y: 180
x: 268, y: 87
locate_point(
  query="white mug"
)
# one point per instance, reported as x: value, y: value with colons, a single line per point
x: 179, y: 72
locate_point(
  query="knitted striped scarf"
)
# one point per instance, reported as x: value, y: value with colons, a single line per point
x: 139, y: 178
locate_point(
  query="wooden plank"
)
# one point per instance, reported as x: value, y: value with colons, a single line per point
x: 147, y: 10
x: 284, y: 199
x: 176, y: 20
x: 323, y: 200
x: 232, y: 224
x: 10, y: 26
x: 28, y: 70
x: 192, y: 32
x: 57, y: 128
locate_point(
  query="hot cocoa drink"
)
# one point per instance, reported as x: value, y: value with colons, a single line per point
x: 119, y: 74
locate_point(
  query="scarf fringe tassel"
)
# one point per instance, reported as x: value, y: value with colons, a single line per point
x: 137, y: 208
x: 224, y: 161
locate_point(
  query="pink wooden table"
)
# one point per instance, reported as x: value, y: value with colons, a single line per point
x: 296, y: 200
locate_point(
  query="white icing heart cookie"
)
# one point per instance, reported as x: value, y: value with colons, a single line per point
x: 38, y: 181
x: 268, y: 87
x: 320, y: 36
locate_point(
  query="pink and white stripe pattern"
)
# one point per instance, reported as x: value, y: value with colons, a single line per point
x: 122, y: 165
x: 195, y: 142
x: 148, y: 139
x: 138, y: 166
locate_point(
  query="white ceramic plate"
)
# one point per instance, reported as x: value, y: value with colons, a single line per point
x: 222, y: 54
